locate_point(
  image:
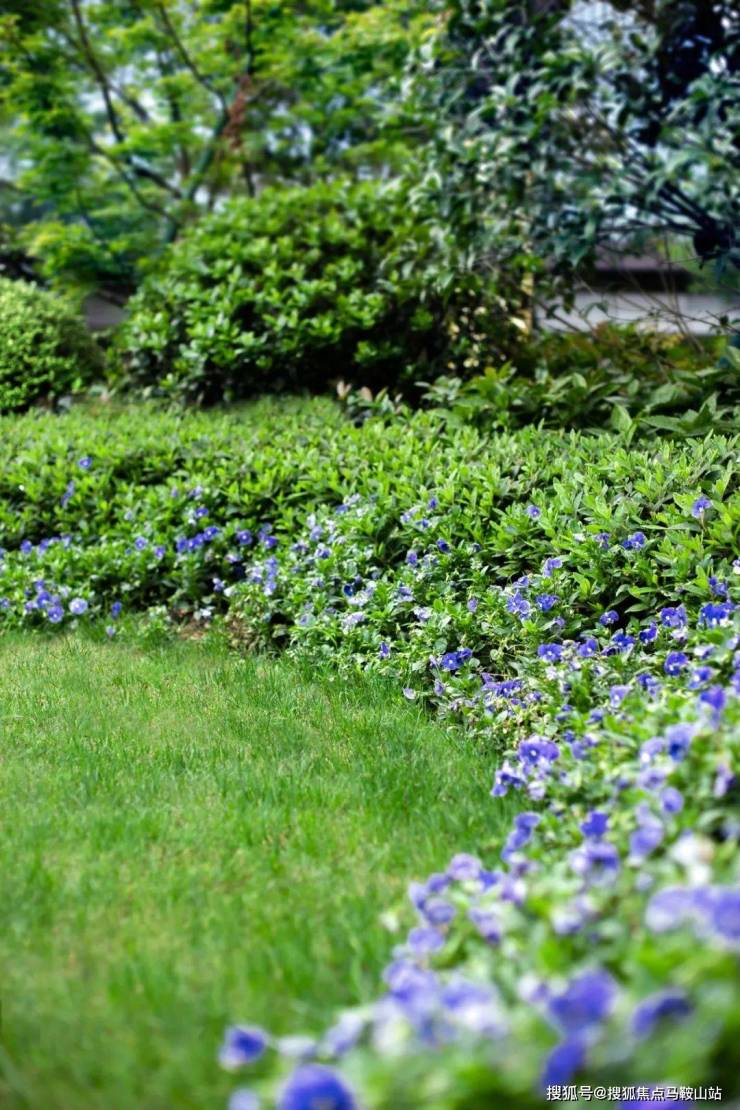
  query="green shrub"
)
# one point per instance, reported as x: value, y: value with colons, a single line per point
x: 45, y: 349
x: 299, y: 288
x: 614, y: 376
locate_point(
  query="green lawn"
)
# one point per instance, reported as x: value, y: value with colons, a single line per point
x: 190, y: 839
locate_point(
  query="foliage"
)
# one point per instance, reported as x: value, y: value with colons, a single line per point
x: 127, y: 121
x: 45, y: 350
x: 570, y: 598
x: 634, y: 382
x: 298, y: 288
x: 152, y: 799
x: 560, y: 126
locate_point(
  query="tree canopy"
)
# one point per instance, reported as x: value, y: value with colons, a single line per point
x: 127, y: 118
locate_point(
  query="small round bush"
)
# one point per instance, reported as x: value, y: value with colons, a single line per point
x: 45, y: 349
x: 298, y: 289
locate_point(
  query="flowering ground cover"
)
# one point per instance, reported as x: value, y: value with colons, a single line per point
x: 188, y: 836
x: 569, y: 603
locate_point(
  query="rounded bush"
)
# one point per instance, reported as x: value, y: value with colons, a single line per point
x: 45, y: 349
x: 299, y: 288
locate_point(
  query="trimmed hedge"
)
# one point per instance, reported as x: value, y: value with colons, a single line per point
x: 299, y: 288
x: 45, y: 349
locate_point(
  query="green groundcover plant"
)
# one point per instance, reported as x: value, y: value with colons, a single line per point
x: 573, y: 600
x: 45, y: 349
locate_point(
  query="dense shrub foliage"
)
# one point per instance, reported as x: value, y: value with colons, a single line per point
x: 45, y: 350
x: 296, y: 289
x: 572, y: 599
x: 634, y: 382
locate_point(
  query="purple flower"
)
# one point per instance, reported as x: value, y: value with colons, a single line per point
x: 647, y: 635
x: 635, y: 542
x: 533, y: 512
x: 551, y: 653
x: 472, y: 604
x: 443, y: 546
x: 547, y: 601
x: 78, y: 606
x: 518, y: 605
x: 409, y: 694
x: 668, y: 1003
x: 589, y: 647
x: 115, y: 609
x: 67, y: 495
x: 585, y: 1002
x: 715, y: 614
x: 562, y: 1063
x: 85, y: 463
x: 671, y: 800
x: 159, y: 551
x: 550, y: 565
x: 715, y: 700
x: 26, y: 547
x: 424, y: 940
x: 700, y: 506
x: 678, y: 738
x: 140, y: 543
x: 611, y: 616
x: 200, y: 512
x: 243, y: 1044
x: 384, y: 650
x: 55, y: 613
x: 603, y: 539
x: 672, y: 617
x: 244, y: 537
x: 654, y: 1103
x: 464, y: 867
x: 316, y: 1087
x: 243, y: 1099
x: 725, y: 914
x: 595, y: 825
x: 675, y: 661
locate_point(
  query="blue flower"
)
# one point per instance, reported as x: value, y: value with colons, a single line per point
x: 115, y: 609
x: 26, y: 547
x: 714, y: 699
x: 85, y: 463
x: 55, y: 613
x: 472, y: 604
x: 140, y: 543
x: 668, y: 1003
x: 551, y: 653
x: 595, y: 825
x: 384, y: 650
x: 412, y: 558
x: 672, y: 617
x: 244, y: 537
x: 244, y: 1099
x: 78, y: 606
x: 611, y: 616
x: 671, y: 800
x: 603, y: 539
x: 547, y: 601
x: 647, y: 635
x: 533, y: 512
x: 675, y: 661
x: 713, y: 615
x: 700, y: 506
x: 589, y: 647
x: 518, y: 605
x: 587, y: 1000
x: 67, y: 495
x: 443, y: 546
x: 464, y: 867
x: 316, y: 1087
x: 562, y: 1063
x: 635, y: 542
x: 243, y: 1044
x: 550, y: 565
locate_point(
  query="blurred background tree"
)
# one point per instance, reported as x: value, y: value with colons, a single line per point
x: 126, y: 119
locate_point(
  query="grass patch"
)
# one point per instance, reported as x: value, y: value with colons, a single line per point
x: 190, y: 839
